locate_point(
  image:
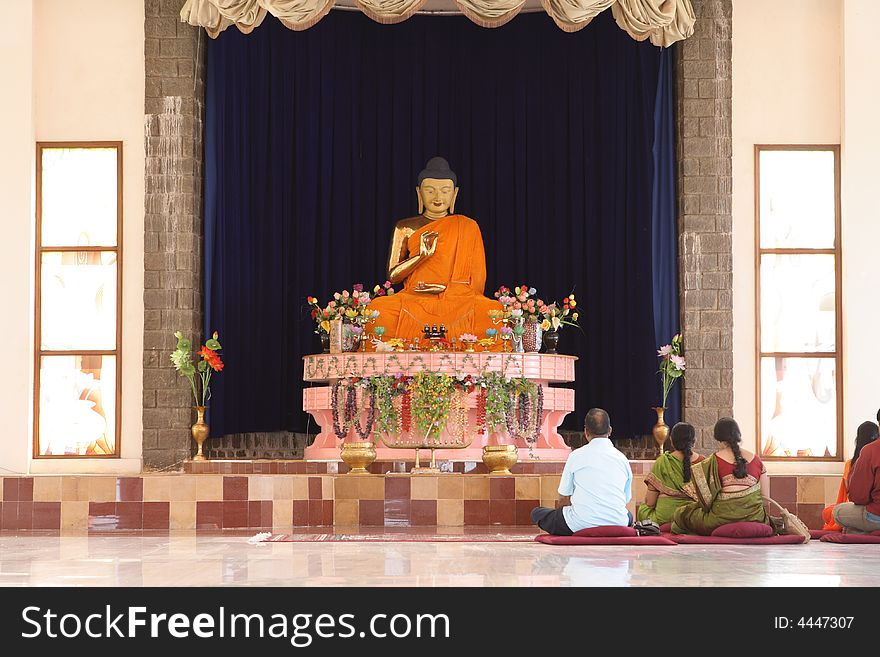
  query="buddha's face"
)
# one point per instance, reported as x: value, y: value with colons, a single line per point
x: 437, y: 196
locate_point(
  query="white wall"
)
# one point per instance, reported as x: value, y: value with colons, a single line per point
x: 83, y: 65
x: 805, y: 71
x: 860, y: 150
x: 16, y: 225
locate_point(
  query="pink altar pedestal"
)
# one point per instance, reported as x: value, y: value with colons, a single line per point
x: 540, y: 368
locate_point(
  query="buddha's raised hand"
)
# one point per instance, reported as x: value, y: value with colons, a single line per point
x: 428, y: 244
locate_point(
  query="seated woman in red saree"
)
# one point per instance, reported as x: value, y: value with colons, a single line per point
x: 727, y: 487
x: 439, y: 256
x: 865, y: 434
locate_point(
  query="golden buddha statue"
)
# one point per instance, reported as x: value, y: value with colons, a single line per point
x: 440, y: 259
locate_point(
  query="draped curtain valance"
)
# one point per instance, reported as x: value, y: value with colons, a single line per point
x: 662, y: 21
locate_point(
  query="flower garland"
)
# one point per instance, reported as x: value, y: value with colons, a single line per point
x: 341, y: 431
x: 367, y: 430
x: 384, y: 390
x: 406, y: 412
x: 497, y: 400
x: 431, y: 399
x: 481, y: 411
x: 430, y: 403
x: 524, y: 413
x: 350, y: 415
x: 458, y: 421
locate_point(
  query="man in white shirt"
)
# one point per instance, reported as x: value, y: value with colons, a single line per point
x: 596, y: 484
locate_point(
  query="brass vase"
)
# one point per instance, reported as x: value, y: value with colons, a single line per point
x: 499, y: 458
x: 660, y: 431
x: 358, y: 456
x: 199, y: 432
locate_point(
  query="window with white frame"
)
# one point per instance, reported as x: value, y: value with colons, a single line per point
x: 798, y: 302
x: 78, y: 277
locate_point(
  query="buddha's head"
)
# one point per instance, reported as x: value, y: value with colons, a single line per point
x: 437, y: 190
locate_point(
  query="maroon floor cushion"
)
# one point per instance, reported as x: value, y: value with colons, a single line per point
x: 851, y: 539
x: 666, y: 528
x: 606, y: 531
x: 686, y: 539
x: 606, y: 535
x: 744, y: 530
x: 819, y: 533
x: 603, y: 540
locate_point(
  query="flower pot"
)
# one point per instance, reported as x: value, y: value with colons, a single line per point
x: 199, y: 432
x: 358, y: 456
x: 551, y: 341
x: 660, y: 431
x: 499, y: 458
x: 325, y: 342
x: 531, y: 339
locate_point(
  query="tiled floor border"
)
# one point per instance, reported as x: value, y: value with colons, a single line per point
x: 266, y: 501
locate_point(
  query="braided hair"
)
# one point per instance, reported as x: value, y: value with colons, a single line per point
x: 683, y: 439
x: 727, y: 431
x: 865, y: 434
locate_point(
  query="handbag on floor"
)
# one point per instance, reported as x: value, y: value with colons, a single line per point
x: 787, y: 522
x: 647, y: 528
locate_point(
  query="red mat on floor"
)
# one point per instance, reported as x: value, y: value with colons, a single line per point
x: 603, y: 540
x: 851, y: 539
x: 400, y: 538
x: 819, y: 533
x: 686, y: 539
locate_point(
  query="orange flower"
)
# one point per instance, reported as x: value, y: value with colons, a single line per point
x: 212, y: 357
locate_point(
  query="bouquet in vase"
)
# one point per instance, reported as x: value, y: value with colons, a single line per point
x: 553, y: 317
x: 671, y: 365
x: 199, y: 375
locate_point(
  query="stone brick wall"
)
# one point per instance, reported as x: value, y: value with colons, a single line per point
x: 703, y: 97
x: 173, y: 112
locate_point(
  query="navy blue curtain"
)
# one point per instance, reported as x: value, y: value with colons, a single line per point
x: 664, y: 227
x: 314, y: 139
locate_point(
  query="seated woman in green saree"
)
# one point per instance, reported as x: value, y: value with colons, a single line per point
x: 671, y: 471
x: 726, y: 487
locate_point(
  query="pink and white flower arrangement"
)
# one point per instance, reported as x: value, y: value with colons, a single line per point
x: 352, y: 306
x: 522, y: 301
x: 672, y: 364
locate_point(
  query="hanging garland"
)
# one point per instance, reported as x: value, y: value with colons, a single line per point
x: 458, y: 424
x: 406, y: 412
x: 431, y: 403
x: 367, y: 430
x: 431, y: 400
x: 525, y: 411
x: 350, y: 412
x: 481, y: 411
x: 497, y: 400
x: 341, y: 430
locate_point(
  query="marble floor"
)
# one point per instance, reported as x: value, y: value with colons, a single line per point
x: 183, y: 558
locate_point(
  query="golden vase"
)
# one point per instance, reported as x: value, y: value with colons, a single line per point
x: 358, y: 456
x: 660, y: 431
x: 499, y: 458
x: 199, y: 432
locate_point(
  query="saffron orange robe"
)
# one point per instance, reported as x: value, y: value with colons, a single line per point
x: 842, y: 496
x: 459, y: 263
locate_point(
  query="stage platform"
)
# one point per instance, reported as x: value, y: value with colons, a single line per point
x: 279, y: 495
x: 546, y: 370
